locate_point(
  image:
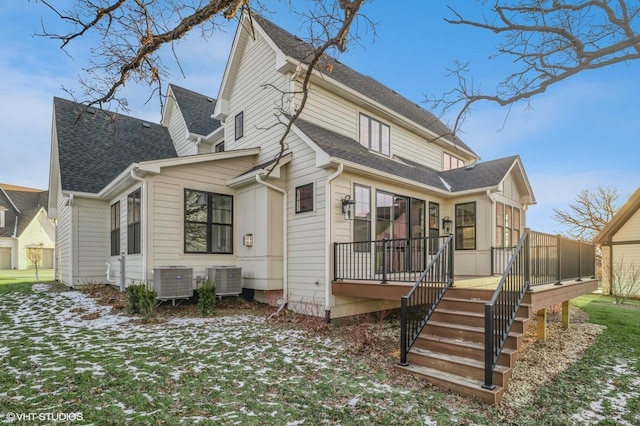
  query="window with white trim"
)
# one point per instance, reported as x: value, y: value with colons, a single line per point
x: 375, y: 135
x: 451, y: 162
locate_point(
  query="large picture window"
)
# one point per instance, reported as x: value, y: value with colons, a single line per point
x: 115, y: 229
x: 208, y: 222
x: 375, y: 135
x: 466, y: 226
x: 133, y: 222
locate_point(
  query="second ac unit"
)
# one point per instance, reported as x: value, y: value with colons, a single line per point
x: 228, y: 279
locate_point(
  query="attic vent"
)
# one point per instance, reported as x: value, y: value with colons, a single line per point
x: 209, y: 99
x: 145, y: 124
x: 91, y: 110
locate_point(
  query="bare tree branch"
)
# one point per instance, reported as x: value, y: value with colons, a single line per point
x: 589, y: 213
x: 552, y: 41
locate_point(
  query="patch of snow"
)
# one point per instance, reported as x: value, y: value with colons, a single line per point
x: 40, y: 288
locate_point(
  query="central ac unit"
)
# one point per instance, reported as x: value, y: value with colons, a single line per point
x: 173, y: 282
x: 228, y: 280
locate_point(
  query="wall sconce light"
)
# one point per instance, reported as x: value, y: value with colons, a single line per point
x: 446, y: 224
x: 347, y: 202
x: 248, y: 240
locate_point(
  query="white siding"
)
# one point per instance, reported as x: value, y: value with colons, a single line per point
x: 257, y: 102
x: 630, y: 231
x: 178, y: 129
x: 626, y: 253
x: 90, y: 245
x: 64, y: 249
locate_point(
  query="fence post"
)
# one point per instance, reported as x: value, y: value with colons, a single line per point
x: 488, y: 347
x: 559, y: 269
x: 335, y: 261
x: 451, y: 253
x: 404, y: 318
x: 527, y: 258
x: 579, y: 261
x: 384, y: 260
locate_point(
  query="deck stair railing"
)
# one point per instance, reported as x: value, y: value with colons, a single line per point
x: 423, y: 298
x: 500, y: 312
x: 538, y: 259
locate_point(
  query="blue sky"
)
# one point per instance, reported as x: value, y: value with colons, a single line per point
x: 581, y: 134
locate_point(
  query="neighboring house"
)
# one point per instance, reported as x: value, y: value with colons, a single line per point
x: 620, y: 243
x: 204, y: 189
x: 24, y: 224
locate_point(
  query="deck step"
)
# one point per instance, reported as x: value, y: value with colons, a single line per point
x: 472, y: 350
x: 475, y: 305
x: 470, y: 333
x: 474, y: 319
x: 463, y: 385
x: 458, y: 365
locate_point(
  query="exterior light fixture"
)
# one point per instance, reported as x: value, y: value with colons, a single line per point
x: 347, y: 202
x: 446, y: 224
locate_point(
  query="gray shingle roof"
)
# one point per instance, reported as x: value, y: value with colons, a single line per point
x: 196, y: 110
x: 28, y: 203
x: 296, y: 48
x: 482, y: 175
x: 94, y: 148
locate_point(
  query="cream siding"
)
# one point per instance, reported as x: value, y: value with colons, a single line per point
x: 178, y: 132
x: 165, y: 227
x: 40, y: 231
x: 626, y: 251
x: 90, y: 246
x: 630, y: 231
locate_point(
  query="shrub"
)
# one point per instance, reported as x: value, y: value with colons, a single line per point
x: 206, y: 297
x: 141, y: 300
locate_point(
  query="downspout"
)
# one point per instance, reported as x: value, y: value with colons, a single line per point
x: 196, y: 144
x: 285, y: 245
x: 73, y: 237
x: 327, y: 248
x: 143, y: 227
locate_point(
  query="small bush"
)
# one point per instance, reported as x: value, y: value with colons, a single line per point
x: 141, y: 300
x: 206, y: 297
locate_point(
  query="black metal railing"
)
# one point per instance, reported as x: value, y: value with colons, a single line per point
x: 538, y: 259
x: 500, y: 257
x: 500, y: 312
x: 553, y: 259
x: 423, y: 298
x: 384, y: 260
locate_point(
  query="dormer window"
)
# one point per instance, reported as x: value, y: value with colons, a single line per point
x: 450, y: 162
x: 375, y: 135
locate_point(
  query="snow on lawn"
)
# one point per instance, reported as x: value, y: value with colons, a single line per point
x: 613, y: 402
x: 227, y: 369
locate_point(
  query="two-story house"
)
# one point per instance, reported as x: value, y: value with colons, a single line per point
x: 211, y: 185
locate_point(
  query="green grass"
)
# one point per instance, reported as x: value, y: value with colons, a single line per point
x: 241, y: 369
x: 603, y: 385
x: 17, y: 276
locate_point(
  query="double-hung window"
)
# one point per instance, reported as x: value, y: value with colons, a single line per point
x: 133, y: 222
x: 115, y: 229
x: 375, y: 135
x: 208, y: 222
x: 507, y: 225
x: 466, y: 226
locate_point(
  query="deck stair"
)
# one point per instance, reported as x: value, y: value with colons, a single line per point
x: 450, y: 350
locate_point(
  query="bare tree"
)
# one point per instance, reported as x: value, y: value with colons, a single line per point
x: 623, y: 279
x: 589, y: 213
x: 35, y: 253
x: 550, y: 41
x: 130, y: 35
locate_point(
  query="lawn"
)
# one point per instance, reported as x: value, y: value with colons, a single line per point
x: 62, y: 352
